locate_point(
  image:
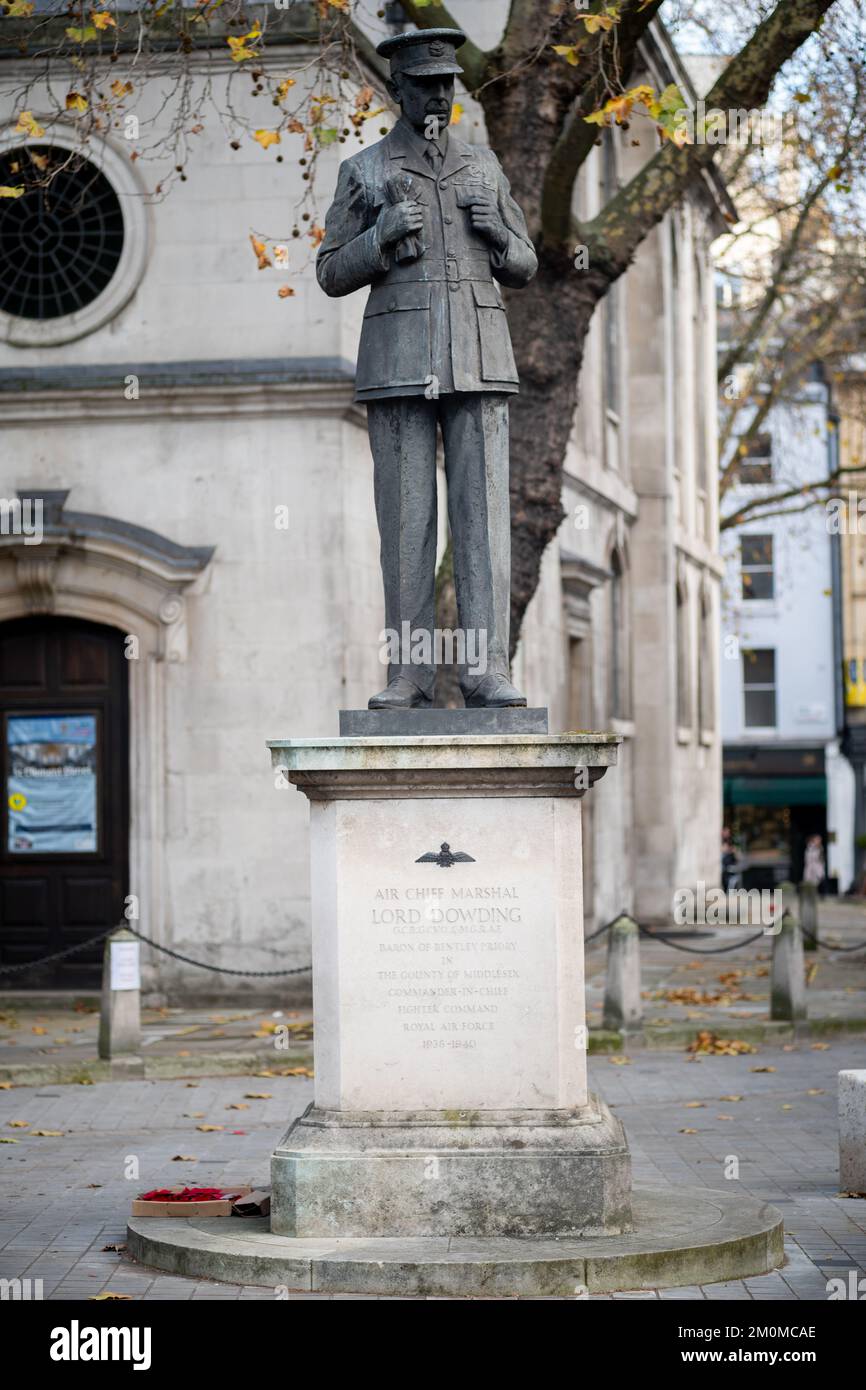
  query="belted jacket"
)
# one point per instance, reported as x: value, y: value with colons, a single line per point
x: 436, y: 314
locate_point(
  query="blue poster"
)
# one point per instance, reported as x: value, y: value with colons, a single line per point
x: 51, y: 787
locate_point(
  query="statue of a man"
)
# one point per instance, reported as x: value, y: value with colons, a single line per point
x: 428, y: 221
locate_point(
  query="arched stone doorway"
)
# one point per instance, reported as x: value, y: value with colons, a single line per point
x: 64, y: 853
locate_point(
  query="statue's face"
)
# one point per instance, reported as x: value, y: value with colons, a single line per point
x: 424, y: 97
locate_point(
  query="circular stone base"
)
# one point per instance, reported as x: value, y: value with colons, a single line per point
x: 685, y: 1236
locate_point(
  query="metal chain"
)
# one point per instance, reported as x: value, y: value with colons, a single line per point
x: 825, y: 945
x: 690, y: 950
x: 91, y: 941
x: 219, y: 969
x: 58, y: 955
x: 659, y: 936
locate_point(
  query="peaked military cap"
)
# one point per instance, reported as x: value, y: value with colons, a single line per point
x: 423, y: 52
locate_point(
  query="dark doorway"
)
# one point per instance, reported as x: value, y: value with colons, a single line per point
x: 64, y: 853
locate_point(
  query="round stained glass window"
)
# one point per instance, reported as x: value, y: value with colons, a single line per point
x: 61, y: 240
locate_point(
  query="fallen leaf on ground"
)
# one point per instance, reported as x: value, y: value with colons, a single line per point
x: 115, y: 1248
x: 19, y: 1124
x: 258, y: 1095
x: 688, y: 1131
x: 194, y: 1114
x: 695, y: 1104
x: 5, y: 1085
x: 191, y: 1085
x: 237, y: 1105
x: 712, y: 1044
x: 820, y: 1047
x: 620, y: 1061
x: 209, y: 1129
x: 4, y: 1140
x: 729, y: 1099
x: 787, y: 1107
x: 102, y: 1297
x: 815, y: 1091
x: 724, y: 1117
x: 762, y: 1068
x: 48, y: 1133
x: 184, y: 1158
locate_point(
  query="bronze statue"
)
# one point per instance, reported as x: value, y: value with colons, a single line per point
x: 429, y: 223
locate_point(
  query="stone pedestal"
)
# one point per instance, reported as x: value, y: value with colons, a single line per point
x: 450, y: 1037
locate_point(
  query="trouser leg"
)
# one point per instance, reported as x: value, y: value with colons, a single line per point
x: 403, y: 442
x: 475, y: 434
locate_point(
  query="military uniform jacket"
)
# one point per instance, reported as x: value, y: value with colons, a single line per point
x: 439, y: 314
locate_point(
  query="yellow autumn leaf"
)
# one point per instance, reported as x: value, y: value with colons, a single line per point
x: 258, y: 1095
x: 75, y: 102
x: 28, y: 125
x: 456, y: 113
x: 19, y: 9
x: 266, y: 138
x: 115, y: 1297
x: 285, y: 85
x: 103, y: 20
x: 594, y: 22
x: 285, y: 292
x: 7, y: 192
x: 5, y: 1140
x: 568, y: 51
x: 260, y: 252
x: 239, y: 46
x: 120, y: 89
x: 209, y: 1129
x: 79, y: 35
x: 19, y: 1124
x: 48, y: 1133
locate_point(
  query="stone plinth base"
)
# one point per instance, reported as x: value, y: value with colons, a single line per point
x: 450, y: 1031
x: 681, y: 1236
x: 410, y: 723
x: 435, y: 1173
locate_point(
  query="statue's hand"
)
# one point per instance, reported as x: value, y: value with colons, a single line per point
x: 487, y: 222
x: 399, y: 221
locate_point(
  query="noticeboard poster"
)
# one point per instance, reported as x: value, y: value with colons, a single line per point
x: 51, y: 783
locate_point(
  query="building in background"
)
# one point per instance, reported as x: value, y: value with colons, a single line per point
x: 785, y: 776
x: 847, y: 524
x: 170, y: 414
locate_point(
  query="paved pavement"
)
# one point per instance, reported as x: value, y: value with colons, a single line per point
x: 64, y: 1198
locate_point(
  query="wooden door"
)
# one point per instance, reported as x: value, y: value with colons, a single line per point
x: 64, y: 850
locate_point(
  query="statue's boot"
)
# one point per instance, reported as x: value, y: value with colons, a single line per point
x: 400, y: 693
x: 493, y: 692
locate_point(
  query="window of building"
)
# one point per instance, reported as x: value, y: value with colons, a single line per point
x: 706, y: 670
x: 756, y: 567
x: 62, y: 239
x: 759, y: 688
x: 756, y: 464
x: 684, y: 683
x: 619, y: 677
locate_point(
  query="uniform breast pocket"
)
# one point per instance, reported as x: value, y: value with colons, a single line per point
x: 497, y: 359
x: 395, y: 338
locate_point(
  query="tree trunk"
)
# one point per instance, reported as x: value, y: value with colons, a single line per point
x: 549, y: 320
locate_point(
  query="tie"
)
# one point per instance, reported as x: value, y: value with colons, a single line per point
x: 433, y: 155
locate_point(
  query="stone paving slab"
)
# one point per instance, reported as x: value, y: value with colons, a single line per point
x: 54, y: 1224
